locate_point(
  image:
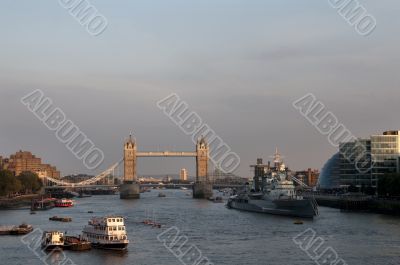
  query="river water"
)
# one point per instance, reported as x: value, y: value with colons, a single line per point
x: 222, y: 235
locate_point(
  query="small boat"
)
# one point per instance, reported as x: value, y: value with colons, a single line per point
x: 64, y: 203
x: 157, y: 225
x: 161, y: 195
x: 298, y: 222
x: 148, y: 222
x: 22, y: 229
x: 90, y: 211
x: 42, y: 204
x: 52, y: 240
x: 152, y: 223
x: 32, y: 212
x: 76, y: 243
x: 60, y: 219
x: 216, y: 199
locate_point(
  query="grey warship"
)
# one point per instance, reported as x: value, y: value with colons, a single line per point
x: 273, y: 192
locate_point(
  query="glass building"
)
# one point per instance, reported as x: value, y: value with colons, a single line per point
x: 329, y: 176
x: 385, y: 150
x: 355, y: 163
x: 361, y: 162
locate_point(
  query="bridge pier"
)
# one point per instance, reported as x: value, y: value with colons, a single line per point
x: 202, y: 190
x: 129, y: 190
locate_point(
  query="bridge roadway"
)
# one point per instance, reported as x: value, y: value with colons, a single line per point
x: 150, y: 185
x: 166, y: 154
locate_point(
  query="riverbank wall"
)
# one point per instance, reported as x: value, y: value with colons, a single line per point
x: 359, y: 204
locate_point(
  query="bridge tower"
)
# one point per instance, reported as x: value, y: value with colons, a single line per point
x: 130, y: 188
x: 202, y: 188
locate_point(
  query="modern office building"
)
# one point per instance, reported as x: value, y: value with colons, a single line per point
x: 385, y: 150
x: 361, y: 162
x: 183, y: 175
x: 355, y: 163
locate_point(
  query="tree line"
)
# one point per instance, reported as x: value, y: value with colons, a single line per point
x: 26, y: 182
x: 389, y: 185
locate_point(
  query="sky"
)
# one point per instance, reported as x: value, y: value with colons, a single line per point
x: 238, y: 64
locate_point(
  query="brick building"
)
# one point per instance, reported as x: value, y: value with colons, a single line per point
x: 25, y: 161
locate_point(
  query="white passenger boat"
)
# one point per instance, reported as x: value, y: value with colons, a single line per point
x: 52, y: 240
x: 107, y: 232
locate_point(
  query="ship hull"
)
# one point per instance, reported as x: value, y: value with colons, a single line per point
x: 295, y: 208
x: 116, y: 246
x: 52, y: 247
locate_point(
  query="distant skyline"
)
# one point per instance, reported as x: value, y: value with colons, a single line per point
x: 238, y: 64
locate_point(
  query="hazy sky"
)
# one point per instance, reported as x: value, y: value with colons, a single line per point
x: 238, y: 64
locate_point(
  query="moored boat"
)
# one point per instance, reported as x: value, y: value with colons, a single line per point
x: 60, y: 219
x: 64, y: 203
x: 76, y: 243
x: 273, y: 192
x: 216, y: 199
x: 107, y: 232
x: 42, y: 204
x: 52, y: 240
x: 22, y: 229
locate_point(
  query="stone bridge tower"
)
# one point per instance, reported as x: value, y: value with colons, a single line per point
x: 202, y: 188
x: 202, y: 151
x: 130, y: 189
x: 130, y: 150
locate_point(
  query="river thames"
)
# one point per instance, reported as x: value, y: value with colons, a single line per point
x: 222, y: 235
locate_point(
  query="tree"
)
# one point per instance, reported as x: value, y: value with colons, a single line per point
x: 30, y: 181
x: 8, y: 183
x: 389, y: 185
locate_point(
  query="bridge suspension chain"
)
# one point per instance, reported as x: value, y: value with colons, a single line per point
x: 99, y: 177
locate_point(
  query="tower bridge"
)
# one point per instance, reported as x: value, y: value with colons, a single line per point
x: 130, y: 188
